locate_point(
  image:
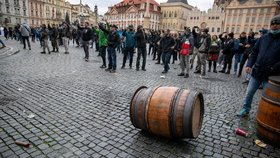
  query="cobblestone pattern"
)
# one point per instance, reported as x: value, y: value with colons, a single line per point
x: 82, y: 111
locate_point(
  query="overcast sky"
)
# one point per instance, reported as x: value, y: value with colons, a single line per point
x: 103, y: 4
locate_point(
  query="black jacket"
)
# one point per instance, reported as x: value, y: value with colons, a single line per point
x: 113, y: 39
x: 166, y: 43
x: 141, y: 39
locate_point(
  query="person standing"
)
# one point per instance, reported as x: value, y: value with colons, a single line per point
x: 227, y: 51
x: 86, y: 35
x: 262, y: 63
x: 25, y: 32
x: 53, y: 37
x: 129, y: 35
x: 203, y: 49
x: 65, y: 35
x: 187, y: 45
x: 238, y: 54
x: 141, y: 40
x: 167, y: 45
x: 113, y: 42
x: 213, y: 53
x: 196, y: 33
x: 102, y: 41
x: 44, y: 39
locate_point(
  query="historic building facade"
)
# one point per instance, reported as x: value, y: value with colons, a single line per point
x: 13, y: 12
x: 134, y: 12
x: 213, y: 19
x: 84, y: 13
x: 249, y: 15
x: 175, y: 15
x: 37, y: 12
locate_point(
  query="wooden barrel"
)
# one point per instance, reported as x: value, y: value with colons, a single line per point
x: 268, y: 115
x: 167, y: 111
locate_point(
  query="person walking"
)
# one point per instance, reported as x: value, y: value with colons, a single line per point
x: 3, y: 45
x: 262, y: 63
x: 167, y: 45
x: 129, y: 35
x: 25, y: 32
x: 141, y: 40
x: 186, y: 45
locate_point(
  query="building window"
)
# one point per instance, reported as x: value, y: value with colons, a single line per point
x: 191, y: 18
x: 227, y: 29
x: 217, y: 17
x: 8, y: 9
x: 24, y: 12
x: 247, y: 20
x: 175, y: 14
x: 266, y: 20
x: 209, y: 17
x: 253, y: 20
x: 213, y: 29
x: 246, y: 29
x: 239, y: 19
x: 218, y: 29
x: 262, y: 10
x: 32, y: 22
x: 234, y: 19
x: 232, y: 29
x: 197, y: 18
x: 260, y: 20
x: 238, y: 29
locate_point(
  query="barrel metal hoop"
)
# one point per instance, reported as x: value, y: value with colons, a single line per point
x: 187, y: 121
x: 272, y: 100
x: 268, y: 127
x: 135, y: 118
x: 273, y: 87
x: 174, y: 105
x: 148, y: 95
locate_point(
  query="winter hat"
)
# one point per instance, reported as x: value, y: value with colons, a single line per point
x: 275, y: 20
x: 231, y: 35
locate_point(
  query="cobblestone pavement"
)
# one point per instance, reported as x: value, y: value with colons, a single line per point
x: 82, y: 111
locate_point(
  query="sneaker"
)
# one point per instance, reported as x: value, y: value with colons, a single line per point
x: 102, y: 66
x: 181, y: 74
x: 66, y: 52
x: 108, y: 69
x: 186, y: 76
x: 215, y: 71
x: 122, y: 67
x: 43, y: 52
x: 245, y: 82
x: 197, y: 72
x: 164, y: 72
x: 242, y: 113
x: 143, y: 69
x: 29, y: 48
x: 113, y: 71
x: 130, y: 67
x: 222, y: 71
x: 137, y: 69
x: 228, y: 72
x: 86, y: 60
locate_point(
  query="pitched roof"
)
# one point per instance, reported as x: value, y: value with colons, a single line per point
x: 124, y: 2
x: 173, y: 1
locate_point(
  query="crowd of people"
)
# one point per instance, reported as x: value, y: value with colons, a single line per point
x: 261, y: 54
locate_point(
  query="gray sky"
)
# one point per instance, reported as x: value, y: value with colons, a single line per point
x: 103, y: 4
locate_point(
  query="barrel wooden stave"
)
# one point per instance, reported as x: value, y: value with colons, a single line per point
x: 159, y: 110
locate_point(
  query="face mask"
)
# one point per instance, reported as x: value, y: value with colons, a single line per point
x: 274, y: 32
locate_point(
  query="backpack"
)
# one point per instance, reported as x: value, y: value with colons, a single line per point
x: 185, y: 47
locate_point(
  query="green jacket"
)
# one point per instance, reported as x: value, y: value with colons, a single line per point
x: 102, y: 37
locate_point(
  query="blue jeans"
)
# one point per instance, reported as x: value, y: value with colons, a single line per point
x: 251, y: 90
x: 166, y: 55
x: 237, y: 60
x: 112, y: 58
